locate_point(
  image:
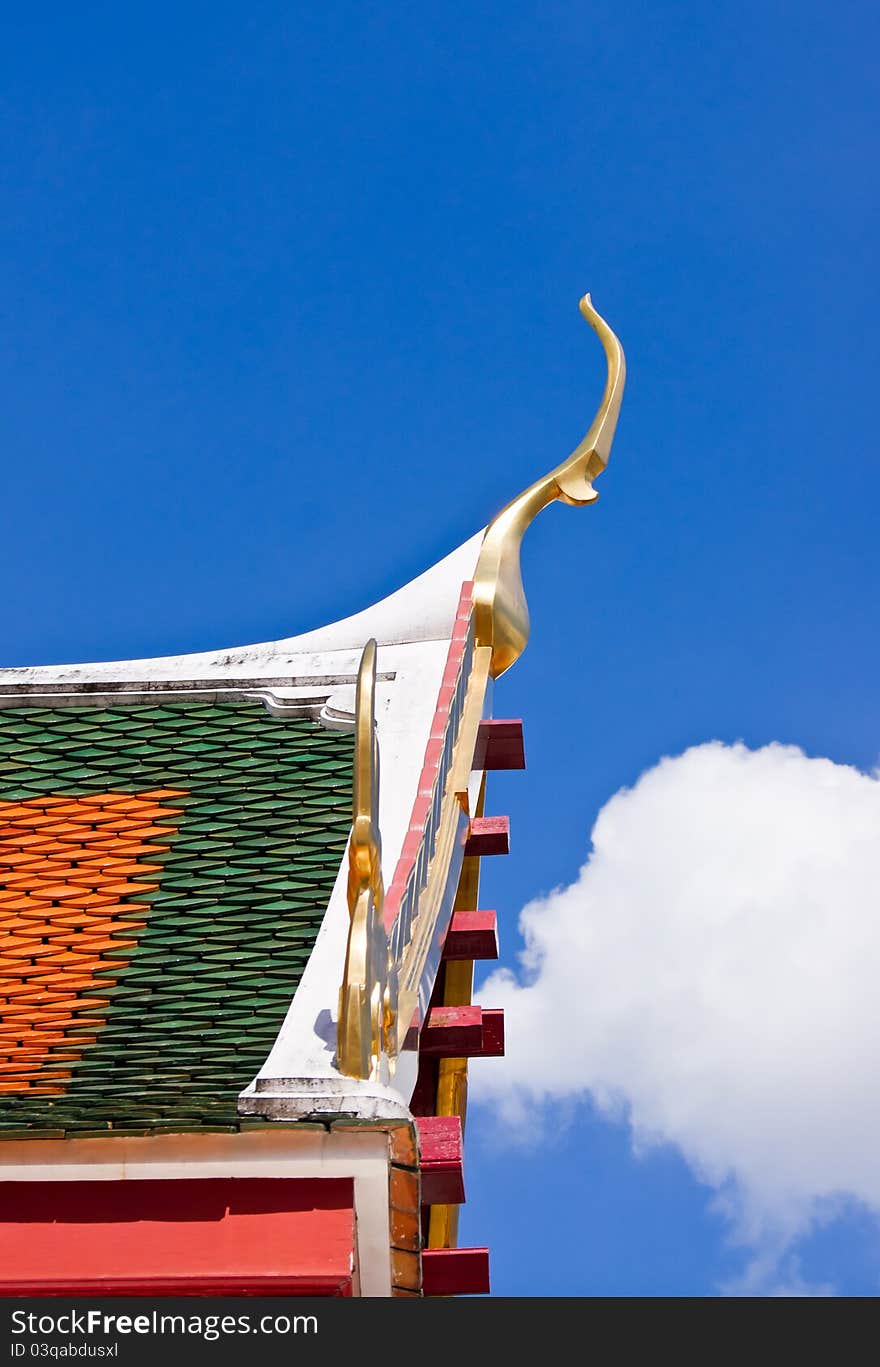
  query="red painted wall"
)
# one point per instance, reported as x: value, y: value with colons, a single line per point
x: 233, y: 1236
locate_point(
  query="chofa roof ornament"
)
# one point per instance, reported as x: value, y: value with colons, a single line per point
x: 377, y: 996
x: 501, y: 611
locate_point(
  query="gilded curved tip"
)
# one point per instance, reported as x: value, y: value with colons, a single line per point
x: 575, y: 476
x: 502, y: 615
x: 365, y: 743
x: 365, y: 848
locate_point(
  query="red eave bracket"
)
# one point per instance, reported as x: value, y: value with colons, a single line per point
x: 488, y: 835
x: 472, y: 935
x: 493, y: 1035
x: 500, y: 745
x: 463, y: 1032
x: 441, y: 1160
x: 455, y: 1272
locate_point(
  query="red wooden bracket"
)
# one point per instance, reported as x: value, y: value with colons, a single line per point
x: 453, y: 1032
x: 455, y: 1272
x: 440, y: 1160
x: 500, y: 745
x: 493, y: 1035
x: 463, y: 1032
x: 488, y: 835
x: 472, y: 935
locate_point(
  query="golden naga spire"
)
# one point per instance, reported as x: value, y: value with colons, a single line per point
x: 500, y: 608
x: 368, y: 997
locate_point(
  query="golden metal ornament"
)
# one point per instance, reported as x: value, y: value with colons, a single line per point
x: 379, y: 998
x: 368, y: 997
x: 365, y: 849
x: 501, y: 611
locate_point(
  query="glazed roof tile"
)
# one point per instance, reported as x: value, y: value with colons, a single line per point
x: 164, y: 871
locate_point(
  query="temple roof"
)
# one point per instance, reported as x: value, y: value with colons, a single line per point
x: 164, y: 871
x: 182, y: 939
x: 239, y: 915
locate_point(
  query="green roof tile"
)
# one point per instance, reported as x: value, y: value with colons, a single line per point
x: 232, y: 912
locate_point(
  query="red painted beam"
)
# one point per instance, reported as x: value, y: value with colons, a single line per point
x: 453, y: 1032
x: 472, y: 935
x: 488, y: 835
x: 455, y: 1272
x: 463, y: 1032
x: 424, y: 1098
x: 500, y: 745
x: 208, y: 1236
x: 440, y: 1160
x: 111, y: 1284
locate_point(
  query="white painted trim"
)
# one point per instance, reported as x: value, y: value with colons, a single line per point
x: 300, y: 1079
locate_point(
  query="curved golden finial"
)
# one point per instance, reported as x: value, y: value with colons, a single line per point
x: 365, y: 847
x: 368, y: 996
x: 500, y: 608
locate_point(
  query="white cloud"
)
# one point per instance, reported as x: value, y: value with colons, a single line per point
x: 714, y: 975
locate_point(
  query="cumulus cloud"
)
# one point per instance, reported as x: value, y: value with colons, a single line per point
x: 713, y: 976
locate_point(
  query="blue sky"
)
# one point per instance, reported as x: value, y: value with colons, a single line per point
x: 283, y: 282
